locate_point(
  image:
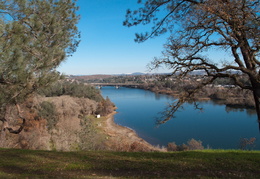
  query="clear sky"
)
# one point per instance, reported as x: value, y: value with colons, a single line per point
x: 107, y: 47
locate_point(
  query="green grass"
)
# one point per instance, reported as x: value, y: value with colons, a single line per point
x: 16, y: 163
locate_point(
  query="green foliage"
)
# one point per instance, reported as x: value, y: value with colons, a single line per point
x: 72, y: 89
x: 35, y: 37
x: 48, y: 111
x: 104, y: 164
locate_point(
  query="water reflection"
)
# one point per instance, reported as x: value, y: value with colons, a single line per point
x: 157, y: 96
x: 250, y: 112
x: 217, y: 126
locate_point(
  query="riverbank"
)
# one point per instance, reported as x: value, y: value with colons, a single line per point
x: 121, y: 138
x: 234, y: 99
x: 140, y: 110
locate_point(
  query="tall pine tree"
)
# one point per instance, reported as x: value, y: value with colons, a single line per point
x: 35, y: 37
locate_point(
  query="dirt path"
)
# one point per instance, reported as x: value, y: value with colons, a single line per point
x: 125, y: 139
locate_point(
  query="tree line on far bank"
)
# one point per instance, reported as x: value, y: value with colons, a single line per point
x: 195, y: 29
x: 222, y: 90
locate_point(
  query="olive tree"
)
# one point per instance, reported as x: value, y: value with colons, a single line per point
x: 198, y: 26
x: 35, y: 37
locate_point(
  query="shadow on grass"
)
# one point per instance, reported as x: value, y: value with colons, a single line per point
x: 223, y: 164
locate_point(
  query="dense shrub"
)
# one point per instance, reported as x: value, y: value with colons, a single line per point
x: 47, y: 111
x: 105, y: 107
x: 74, y: 89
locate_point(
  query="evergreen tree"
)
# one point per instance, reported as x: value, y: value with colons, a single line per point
x: 35, y: 37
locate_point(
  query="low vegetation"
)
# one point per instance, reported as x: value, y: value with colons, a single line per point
x: 105, y: 107
x: 79, y: 90
x: 74, y: 89
x: 191, y: 145
x: 48, y: 111
x: 91, y: 139
x: 189, y: 164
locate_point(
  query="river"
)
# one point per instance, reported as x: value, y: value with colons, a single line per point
x: 217, y: 126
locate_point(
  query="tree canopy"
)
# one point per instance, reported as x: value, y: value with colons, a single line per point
x: 35, y: 37
x: 197, y: 26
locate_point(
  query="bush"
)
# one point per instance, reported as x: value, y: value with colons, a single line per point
x: 47, y: 111
x: 172, y: 146
x: 195, y: 145
x: 182, y: 147
x: 191, y: 145
x: 105, y: 107
x: 74, y: 89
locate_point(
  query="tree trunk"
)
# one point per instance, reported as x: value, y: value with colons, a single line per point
x: 256, y: 93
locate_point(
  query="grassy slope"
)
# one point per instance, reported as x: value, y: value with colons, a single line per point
x: 196, y: 164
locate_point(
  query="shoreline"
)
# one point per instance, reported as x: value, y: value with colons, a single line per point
x: 125, y: 139
x: 241, y: 105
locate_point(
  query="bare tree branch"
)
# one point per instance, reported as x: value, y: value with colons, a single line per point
x: 197, y: 26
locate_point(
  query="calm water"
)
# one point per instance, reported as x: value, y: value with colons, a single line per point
x: 217, y: 126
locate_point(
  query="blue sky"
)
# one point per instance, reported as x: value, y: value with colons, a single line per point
x: 107, y: 47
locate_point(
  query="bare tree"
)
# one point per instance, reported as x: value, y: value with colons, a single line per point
x: 196, y: 26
